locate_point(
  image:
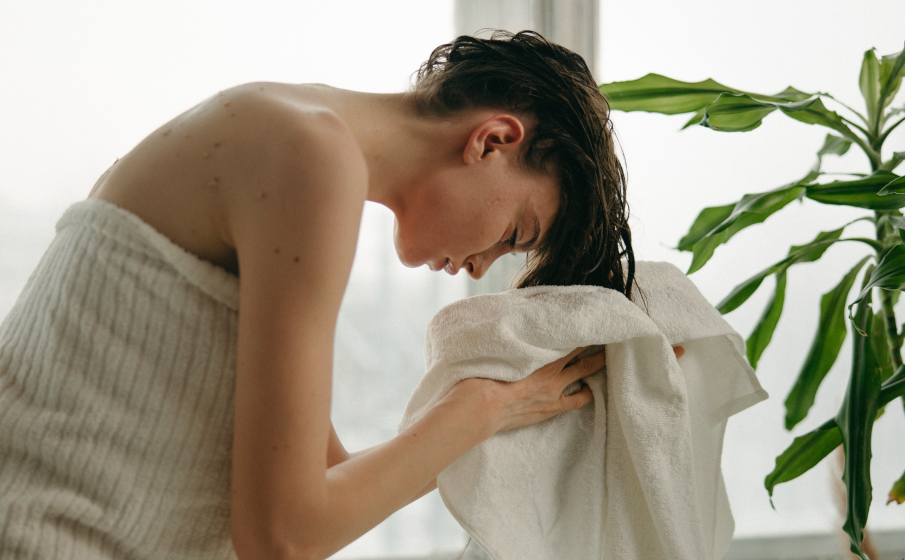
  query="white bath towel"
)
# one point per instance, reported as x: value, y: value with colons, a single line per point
x: 635, y: 475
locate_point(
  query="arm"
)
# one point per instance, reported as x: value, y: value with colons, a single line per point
x: 295, y: 247
x: 337, y: 454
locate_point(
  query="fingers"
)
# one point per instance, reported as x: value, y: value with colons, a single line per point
x: 577, y: 400
x: 562, y: 362
x: 584, y: 367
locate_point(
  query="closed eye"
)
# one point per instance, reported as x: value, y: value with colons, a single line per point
x: 511, y: 241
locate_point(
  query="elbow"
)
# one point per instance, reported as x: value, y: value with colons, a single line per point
x: 275, y: 551
x: 254, y: 546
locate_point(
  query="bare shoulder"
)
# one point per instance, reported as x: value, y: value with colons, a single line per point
x: 243, y: 158
x: 291, y: 149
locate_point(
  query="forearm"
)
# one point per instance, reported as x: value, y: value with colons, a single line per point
x: 430, y: 487
x: 368, y: 487
x: 337, y: 454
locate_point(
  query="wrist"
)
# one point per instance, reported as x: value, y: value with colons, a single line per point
x: 481, y: 403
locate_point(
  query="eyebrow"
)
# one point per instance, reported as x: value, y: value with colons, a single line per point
x: 528, y: 245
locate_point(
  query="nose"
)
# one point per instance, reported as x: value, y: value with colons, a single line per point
x: 477, y: 265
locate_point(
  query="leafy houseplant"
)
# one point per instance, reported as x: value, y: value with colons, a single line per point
x: 877, y: 374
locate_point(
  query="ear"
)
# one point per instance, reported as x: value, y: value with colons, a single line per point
x: 498, y: 135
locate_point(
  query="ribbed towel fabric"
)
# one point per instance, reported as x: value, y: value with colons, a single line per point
x: 634, y: 476
x: 117, y: 369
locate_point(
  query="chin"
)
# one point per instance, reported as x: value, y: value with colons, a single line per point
x: 404, y: 255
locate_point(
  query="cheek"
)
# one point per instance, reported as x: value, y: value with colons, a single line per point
x: 445, y: 223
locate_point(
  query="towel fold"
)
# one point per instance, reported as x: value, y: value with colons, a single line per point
x: 635, y: 475
x: 117, y: 374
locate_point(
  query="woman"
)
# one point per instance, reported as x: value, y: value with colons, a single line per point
x: 190, y: 412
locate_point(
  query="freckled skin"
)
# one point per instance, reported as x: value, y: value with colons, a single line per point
x: 311, y: 156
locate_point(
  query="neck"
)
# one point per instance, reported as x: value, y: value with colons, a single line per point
x: 399, y: 145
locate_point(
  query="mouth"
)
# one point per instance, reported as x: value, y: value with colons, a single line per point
x: 437, y: 266
x: 450, y: 268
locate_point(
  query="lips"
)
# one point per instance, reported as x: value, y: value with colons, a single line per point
x: 445, y: 265
x: 450, y: 268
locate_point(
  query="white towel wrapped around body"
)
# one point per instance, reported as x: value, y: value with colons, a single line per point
x: 635, y: 475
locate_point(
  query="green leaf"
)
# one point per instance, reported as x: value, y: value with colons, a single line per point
x: 800, y: 253
x: 763, y: 331
x: 824, y: 349
x: 880, y: 342
x: 740, y: 112
x: 716, y: 225
x: 897, y: 493
x: 696, y: 119
x: 834, y: 145
x: 893, y: 162
x: 894, y: 387
x: 804, y: 453
x: 856, y: 420
x: 897, y: 222
x: 869, y: 82
x: 708, y: 220
x: 659, y: 94
x: 737, y: 112
x: 751, y: 209
x: 892, y: 70
x: 862, y: 193
x: 817, y: 113
x: 889, y: 275
x: 703, y: 249
x: 897, y: 185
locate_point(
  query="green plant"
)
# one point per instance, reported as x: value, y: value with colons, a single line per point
x: 877, y: 374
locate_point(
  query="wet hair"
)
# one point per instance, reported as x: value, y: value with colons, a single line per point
x: 589, y: 242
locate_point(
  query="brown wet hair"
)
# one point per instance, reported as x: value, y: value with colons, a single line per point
x: 589, y: 242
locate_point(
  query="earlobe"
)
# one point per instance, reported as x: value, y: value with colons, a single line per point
x: 500, y: 133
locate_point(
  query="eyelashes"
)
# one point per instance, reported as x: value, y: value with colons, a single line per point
x: 511, y: 241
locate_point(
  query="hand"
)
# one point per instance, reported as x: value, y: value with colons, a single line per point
x: 534, y: 398
x: 540, y: 395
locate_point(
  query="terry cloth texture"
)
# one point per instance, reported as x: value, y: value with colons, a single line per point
x: 117, y: 367
x: 634, y: 476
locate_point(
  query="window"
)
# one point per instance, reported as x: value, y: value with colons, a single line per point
x: 84, y: 82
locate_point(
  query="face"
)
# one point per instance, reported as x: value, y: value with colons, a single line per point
x: 465, y: 217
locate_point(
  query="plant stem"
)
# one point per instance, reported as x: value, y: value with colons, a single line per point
x: 886, y: 297
x: 895, y: 341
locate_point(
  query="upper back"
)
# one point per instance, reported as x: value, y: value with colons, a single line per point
x: 196, y: 173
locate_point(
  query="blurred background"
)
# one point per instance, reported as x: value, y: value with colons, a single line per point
x: 82, y: 83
